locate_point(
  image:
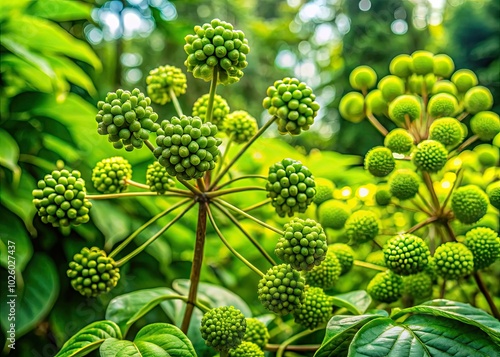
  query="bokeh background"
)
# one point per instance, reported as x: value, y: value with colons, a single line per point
x: 58, y: 58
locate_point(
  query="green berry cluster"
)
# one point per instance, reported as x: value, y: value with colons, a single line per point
x: 127, y: 118
x: 256, y: 332
x: 240, y: 126
x: 293, y: 103
x: 246, y: 349
x: 486, y: 125
x: 324, y: 190
x: 430, y: 155
x: 290, y: 186
x: 216, y: 48
x: 386, y: 287
x: 376, y: 257
x: 223, y: 328
x: 383, y: 196
x: 60, y: 199
x: 110, y: 175
x: 379, y: 161
x: 162, y: 80
x: 281, y: 289
x: 158, y: 179
x: 399, y: 141
x: 187, y: 147
x: 333, y: 214
x: 92, y: 272
x: 418, y: 286
x: 302, y: 245
x: 448, y: 131
x: 327, y: 273
x: 345, y: 255
x: 493, y: 191
x: 362, y: 226
x: 404, y: 184
x: 453, y: 260
x: 220, y: 109
x: 484, y: 244
x: 315, y: 310
x: 469, y: 204
x: 406, y: 254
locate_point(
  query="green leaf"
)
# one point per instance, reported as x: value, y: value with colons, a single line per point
x: 355, y: 301
x: 68, y: 70
x: 15, y: 232
x: 89, y: 338
x: 125, y: 309
x: 154, y: 340
x: 340, y: 331
x: 459, y: 311
x: 35, y: 299
x: 60, y: 10
x: 31, y: 74
x: 9, y: 155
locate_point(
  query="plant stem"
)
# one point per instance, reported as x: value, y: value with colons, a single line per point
x: 175, y: 102
x: 450, y: 232
x: 462, y: 116
x: 218, y: 193
x: 201, y: 184
x: 242, y: 150
x: 378, y: 125
x: 145, y: 225
x: 224, y: 156
x: 237, y: 224
x: 224, y: 353
x: 282, y: 347
x: 442, y: 292
x: 484, y: 290
x: 257, y: 205
x: 419, y: 225
x: 423, y: 209
x: 430, y: 187
x: 201, y: 230
x: 130, y: 194
x: 457, y: 182
x: 467, y: 143
x: 256, y: 220
x: 136, y: 184
x: 154, y: 237
x: 191, y: 188
x: 293, y: 348
x: 240, y: 178
x: 149, y: 145
x: 226, y: 243
x: 213, y: 88
x: 363, y: 264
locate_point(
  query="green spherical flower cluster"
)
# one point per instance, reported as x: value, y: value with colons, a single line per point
x: 379, y: 161
x: 302, y: 245
x: 375, y: 102
x: 158, y: 179
x: 430, y: 155
x: 419, y: 285
x: 220, y: 109
x: 469, y: 204
x: 448, y: 131
x: 485, y: 246
x: 377, y: 257
x: 223, y: 328
x: 315, y: 310
x: 187, y: 147
x: 443, y: 65
x: 352, y: 107
x: 344, y: 254
x: 363, y: 78
x: 486, y: 125
x: 419, y: 84
x: 445, y: 86
x: 385, y: 287
x: 478, y: 99
x: 162, y: 80
x: 92, y: 272
x: 399, y: 141
x: 362, y: 226
x: 406, y: 254
x: 333, y: 214
x: 442, y: 105
x: 493, y: 191
x: 487, y: 155
x: 405, y: 107
x: 60, y: 199
x: 127, y: 118
x: 453, y: 260
x: 391, y: 87
x: 324, y: 190
x: 216, y: 48
x: 256, y: 332
x: 326, y: 274
x: 404, y: 184
x: 110, y: 175
x: 240, y: 126
x: 464, y: 79
x: 281, y: 289
x: 422, y: 62
x: 383, y: 196
x: 293, y: 103
x: 290, y: 186
x: 246, y: 349
x: 400, y: 66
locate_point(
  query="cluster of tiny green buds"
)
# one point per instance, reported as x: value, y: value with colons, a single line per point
x: 220, y: 109
x: 442, y: 105
x: 486, y: 125
x: 256, y: 332
x: 315, y: 310
x: 281, y: 289
x: 464, y: 79
x: 290, y: 186
x: 302, y: 245
x: 383, y: 196
x: 362, y: 226
x: 187, y: 147
x: 386, y: 287
x: 469, y: 204
x: 92, y: 272
x: 485, y: 246
x: 453, y: 260
x: 448, y: 131
x: 223, y: 328
x: 326, y: 274
x: 333, y: 214
x: 418, y: 286
x: 352, y: 107
x: 363, y: 78
x: 404, y: 184
x: 375, y: 103
x: 240, y: 126
x: 404, y: 109
x: 110, y: 175
x: 406, y: 254
x: 60, y: 199
x: 158, y: 179
x: 217, y: 48
x: 324, y: 190
x: 246, y: 349
x: 345, y: 255
x: 493, y: 191
x: 293, y: 103
x: 430, y: 155
x: 422, y: 62
x: 127, y: 118
x: 444, y: 86
x: 399, y: 141
x: 391, y: 87
x: 400, y: 66
x: 379, y: 161
x: 478, y: 99
x: 443, y: 65
x: 162, y: 80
